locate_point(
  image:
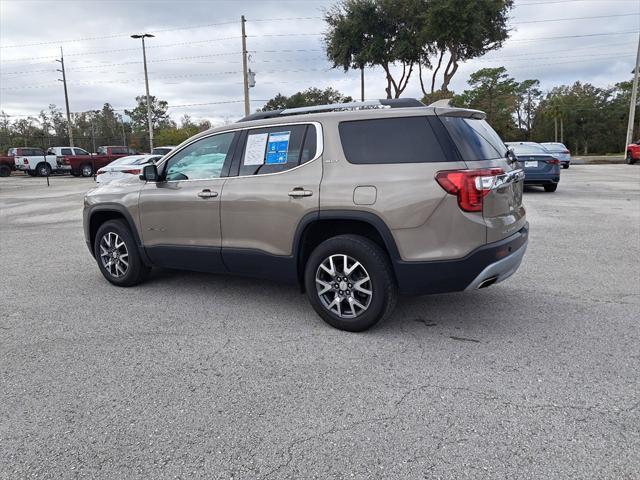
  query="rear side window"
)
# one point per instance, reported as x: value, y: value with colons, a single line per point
x: 475, y: 138
x: 391, y: 140
x: 273, y: 149
x: 119, y: 151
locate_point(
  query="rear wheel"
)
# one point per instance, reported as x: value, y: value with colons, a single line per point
x: 31, y: 173
x: 350, y: 283
x: 629, y: 159
x: 117, y: 255
x: 5, y: 171
x: 43, y: 169
x: 87, y: 170
x: 552, y: 187
x: 74, y: 173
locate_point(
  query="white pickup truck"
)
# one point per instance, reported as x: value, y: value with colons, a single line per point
x: 33, y: 161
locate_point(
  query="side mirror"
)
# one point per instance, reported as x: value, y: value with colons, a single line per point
x: 150, y: 173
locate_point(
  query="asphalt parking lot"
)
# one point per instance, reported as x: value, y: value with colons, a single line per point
x: 194, y: 375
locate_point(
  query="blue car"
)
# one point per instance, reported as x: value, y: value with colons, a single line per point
x: 541, y: 167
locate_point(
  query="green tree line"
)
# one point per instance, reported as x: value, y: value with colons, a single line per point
x: 94, y: 128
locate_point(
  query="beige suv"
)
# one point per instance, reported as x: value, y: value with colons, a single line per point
x: 355, y: 203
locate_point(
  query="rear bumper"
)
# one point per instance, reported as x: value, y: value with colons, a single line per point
x: 541, y: 178
x: 497, y: 260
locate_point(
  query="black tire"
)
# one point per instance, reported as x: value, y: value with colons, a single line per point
x: 86, y: 170
x: 551, y: 187
x: 75, y: 174
x: 629, y: 159
x: 31, y: 173
x: 136, y: 271
x: 376, y: 265
x: 5, y: 171
x: 43, y: 169
x: 565, y: 166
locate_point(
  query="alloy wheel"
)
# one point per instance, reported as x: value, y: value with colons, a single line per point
x: 344, y: 286
x: 114, y: 255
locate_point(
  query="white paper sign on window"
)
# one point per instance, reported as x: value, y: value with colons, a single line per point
x: 255, y: 149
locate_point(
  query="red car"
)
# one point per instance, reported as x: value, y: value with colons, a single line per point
x: 633, y: 152
x: 86, y: 165
x: 7, y: 165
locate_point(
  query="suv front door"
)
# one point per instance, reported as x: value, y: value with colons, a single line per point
x: 274, y: 183
x: 180, y: 215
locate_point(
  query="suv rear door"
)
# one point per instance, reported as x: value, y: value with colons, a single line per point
x: 274, y: 182
x: 481, y: 148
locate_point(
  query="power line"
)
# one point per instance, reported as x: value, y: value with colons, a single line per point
x: 572, y: 36
x: 576, y: 18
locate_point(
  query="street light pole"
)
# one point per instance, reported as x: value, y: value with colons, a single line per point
x: 146, y: 82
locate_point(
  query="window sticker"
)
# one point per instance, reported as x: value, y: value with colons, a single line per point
x: 255, y: 149
x: 277, y: 148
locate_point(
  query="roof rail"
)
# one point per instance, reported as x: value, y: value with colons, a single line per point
x: 371, y: 104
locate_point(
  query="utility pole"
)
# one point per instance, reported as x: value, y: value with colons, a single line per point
x: 146, y: 82
x: 362, y: 84
x: 66, y: 97
x: 561, y: 130
x: 124, y: 136
x: 245, y: 73
x: 634, y: 95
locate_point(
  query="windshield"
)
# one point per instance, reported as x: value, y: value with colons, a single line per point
x: 554, y: 147
x: 520, y: 149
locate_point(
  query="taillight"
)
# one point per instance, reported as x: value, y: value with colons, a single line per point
x: 566, y: 151
x: 100, y: 172
x: 25, y: 161
x: 132, y: 172
x: 470, y: 186
x: 553, y: 161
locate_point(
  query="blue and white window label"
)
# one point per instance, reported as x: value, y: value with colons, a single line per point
x: 277, y: 148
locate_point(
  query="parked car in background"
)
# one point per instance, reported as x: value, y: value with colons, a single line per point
x: 61, y: 152
x: 560, y: 151
x: 34, y: 161
x: 86, y: 165
x: 7, y: 165
x: 125, y: 167
x: 354, y: 206
x: 161, y: 150
x: 633, y: 153
x: 541, y: 167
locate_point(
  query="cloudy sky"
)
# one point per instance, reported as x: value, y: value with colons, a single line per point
x: 195, y: 58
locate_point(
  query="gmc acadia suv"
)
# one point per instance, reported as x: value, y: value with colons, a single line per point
x: 356, y: 203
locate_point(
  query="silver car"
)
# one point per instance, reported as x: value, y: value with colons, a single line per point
x: 355, y: 203
x: 560, y: 151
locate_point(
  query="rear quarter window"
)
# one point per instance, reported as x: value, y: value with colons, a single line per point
x: 391, y: 140
x: 475, y: 138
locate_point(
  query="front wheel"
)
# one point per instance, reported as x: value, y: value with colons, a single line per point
x: 552, y: 187
x: 117, y: 255
x: 5, y: 171
x: 629, y: 159
x: 87, y: 170
x: 350, y: 283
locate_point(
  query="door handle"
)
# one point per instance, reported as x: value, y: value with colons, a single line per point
x: 206, y: 193
x: 300, y: 192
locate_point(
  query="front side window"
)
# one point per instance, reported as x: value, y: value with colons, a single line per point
x: 201, y: 160
x: 66, y: 151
